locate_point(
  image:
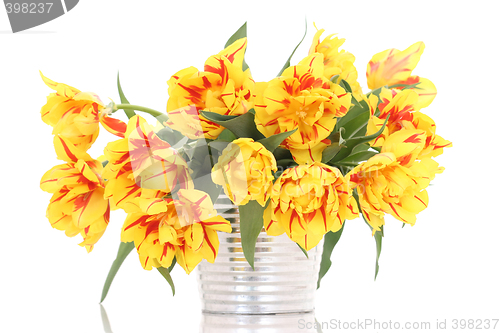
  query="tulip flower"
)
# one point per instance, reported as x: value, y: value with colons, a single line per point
x: 337, y: 62
x: 399, y: 106
x: 393, y: 68
x: 245, y: 170
x: 78, y: 205
x: 76, y: 115
x: 222, y: 87
x: 141, y: 164
x: 301, y: 98
x: 185, y: 228
x: 394, y: 181
x: 307, y: 201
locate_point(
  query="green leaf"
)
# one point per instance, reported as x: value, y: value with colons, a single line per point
x: 272, y: 142
x: 123, y: 252
x: 240, y: 33
x: 375, y: 92
x: 405, y: 86
x: 352, y: 113
x: 287, y: 63
x: 378, y: 234
x: 282, y: 154
x: 347, y: 87
x: 331, y: 240
x: 350, y: 144
x: 284, y: 163
x: 330, y: 152
x: 172, y: 265
x: 336, y: 136
x: 217, y: 117
x: 355, y: 101
x: 334, y: 78
x: 169, y: 135
x: 251, y: 224
x: 203, y: 179
x: 357, y: 125
x: 360, y: 148
x: 378, y: 244
x: 123, y: 99
x: 242, y: 126
x: 358, y: 157
x: 166, y: 274
x: 218, y: 145
x: 303, y: 250
x: 202, y: 162
x: 226, y: 135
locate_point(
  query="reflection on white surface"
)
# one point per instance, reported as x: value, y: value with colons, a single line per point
x: 280, y: 323
x: 231, y: 323
x: 105, y: 320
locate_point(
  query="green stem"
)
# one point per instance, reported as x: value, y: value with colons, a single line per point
x: 152, y: 112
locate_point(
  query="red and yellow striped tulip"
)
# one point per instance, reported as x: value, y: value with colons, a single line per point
x: 301, y: 98
x: 185, y: 228
x: 400, y: 107
x: 307, y: 201
x: 395, y: 104
x: 337, y: 62
x: 245, y: 171
x: 75, y: 115
x: 393, y: 68
x: 223, y: 87
x: 78, y: 205
x: 393, y: 182
x: 434, y: 143
x: 141, y: 164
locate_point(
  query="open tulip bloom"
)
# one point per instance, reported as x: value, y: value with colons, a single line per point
x: 303, y: 152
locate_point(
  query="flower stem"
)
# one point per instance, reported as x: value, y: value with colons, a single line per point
x: 152, y: 112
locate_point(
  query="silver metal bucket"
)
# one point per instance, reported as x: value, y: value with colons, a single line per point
x: 284, y: 280
x: 279, y: 323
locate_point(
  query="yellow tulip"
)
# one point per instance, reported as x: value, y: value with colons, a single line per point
x: 78, y: 205
x: 223, y: 87
x: 185, y: 228
x: 394, y: 181
x: 141, y: 164
x: 245, y: 170
x: 400, y: 107
x: 337, y: 62
x: 434, y: 143
x: 307, y: 201
x: 393, y: 68
x: 75, y: 115
x: 301, y: 98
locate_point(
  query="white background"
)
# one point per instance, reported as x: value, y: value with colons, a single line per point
x: 445, y: 267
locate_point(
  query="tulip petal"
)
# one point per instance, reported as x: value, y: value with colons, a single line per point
x: 114, y: 126
x: 392, y: 66
x: 67, y: 151
x: 235, y: 52
x: 61, y: 88
x: 89, y: 207
x: 210, y: 245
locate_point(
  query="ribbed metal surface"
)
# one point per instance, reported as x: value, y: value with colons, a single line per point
x: 281, y: 323
x: 284, y: 280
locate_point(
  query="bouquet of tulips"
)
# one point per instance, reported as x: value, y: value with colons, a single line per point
x: 299, y: 155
